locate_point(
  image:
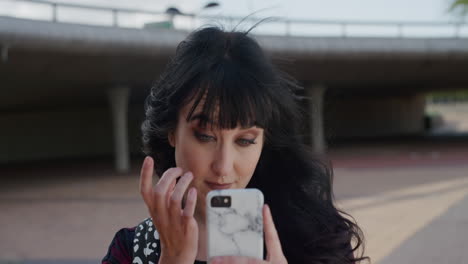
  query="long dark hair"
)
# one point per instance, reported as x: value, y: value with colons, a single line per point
x: 229, y: 70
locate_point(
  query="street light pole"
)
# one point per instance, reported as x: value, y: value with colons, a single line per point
x: 174, y: 11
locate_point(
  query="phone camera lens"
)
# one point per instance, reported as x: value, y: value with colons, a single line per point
x: 221, y: 201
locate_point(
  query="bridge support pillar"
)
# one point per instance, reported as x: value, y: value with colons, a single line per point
x: 315, y: 93
x: 118, y: 99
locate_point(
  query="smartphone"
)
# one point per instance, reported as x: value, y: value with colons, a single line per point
x: 235, y: 223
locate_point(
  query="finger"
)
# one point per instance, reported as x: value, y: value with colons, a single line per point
x: 190, y: 203
x: 178, y: 194
x: 162, y: 188
x: 146, y: 180
x: 236, y: 260
x: 170, y: 192
x: 273, y: 244
x: 189, y: 222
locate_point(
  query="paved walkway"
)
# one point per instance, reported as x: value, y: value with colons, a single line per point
x: 400, y: 220
x: 408, y: 196
x: 65, y: 213
x: 413, y: 208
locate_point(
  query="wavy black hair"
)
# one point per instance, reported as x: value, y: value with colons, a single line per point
x: 230, y: 72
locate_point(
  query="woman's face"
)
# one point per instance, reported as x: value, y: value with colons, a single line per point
x: 218, y: 159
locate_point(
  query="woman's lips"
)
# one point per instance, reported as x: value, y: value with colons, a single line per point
x: 217, y: 186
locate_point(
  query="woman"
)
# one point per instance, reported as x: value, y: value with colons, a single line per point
x: 222, y: 116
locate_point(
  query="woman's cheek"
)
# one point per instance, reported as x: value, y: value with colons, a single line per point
x: 248, y: 164
x: 194, y: 159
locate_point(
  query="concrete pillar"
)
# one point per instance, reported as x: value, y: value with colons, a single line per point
x: 315, y: 93
x: 118, y: 98
x: 4, y: 53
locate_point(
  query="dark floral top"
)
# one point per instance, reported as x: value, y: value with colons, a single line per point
x: 136, y: 245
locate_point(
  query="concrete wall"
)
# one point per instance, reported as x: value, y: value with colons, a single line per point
x: 77, y: 132
x: 87, y: 132
x: 374, y: 116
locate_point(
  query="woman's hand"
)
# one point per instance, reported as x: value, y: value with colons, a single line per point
x: 177, y: 228
x: 274, y: 252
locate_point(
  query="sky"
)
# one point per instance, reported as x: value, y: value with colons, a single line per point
x: 335, y: 10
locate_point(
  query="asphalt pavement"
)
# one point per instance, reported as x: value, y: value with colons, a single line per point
x: 410, y: 198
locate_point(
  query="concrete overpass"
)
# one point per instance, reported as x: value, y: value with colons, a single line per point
x: 58, y: 80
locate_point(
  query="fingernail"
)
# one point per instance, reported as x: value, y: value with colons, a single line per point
x: 148, y: 160
x: 192, y: 193
x: 266, y: 211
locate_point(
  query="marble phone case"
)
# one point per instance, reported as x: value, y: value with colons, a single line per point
x: 238, y: 230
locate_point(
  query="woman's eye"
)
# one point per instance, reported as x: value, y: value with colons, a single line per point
x: 204, y: 137
x: 246, y: 142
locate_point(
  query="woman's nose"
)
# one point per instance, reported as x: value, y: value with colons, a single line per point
x: 223, y: 162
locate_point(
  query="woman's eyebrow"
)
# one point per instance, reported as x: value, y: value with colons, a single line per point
x: 254, y: 130
x: 251, y: 125
x: 199, y: 116
x: 204, y: 118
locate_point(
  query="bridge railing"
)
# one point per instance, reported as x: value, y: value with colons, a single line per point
x: 140, y: 18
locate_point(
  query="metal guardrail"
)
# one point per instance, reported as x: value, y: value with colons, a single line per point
x: 344, y: 25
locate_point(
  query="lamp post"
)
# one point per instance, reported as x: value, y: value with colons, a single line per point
x: 174, y: 11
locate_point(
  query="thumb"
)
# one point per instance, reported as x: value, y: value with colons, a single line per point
x: 191, y: 232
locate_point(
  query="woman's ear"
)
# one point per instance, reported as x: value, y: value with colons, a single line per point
x: 171, y: 138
